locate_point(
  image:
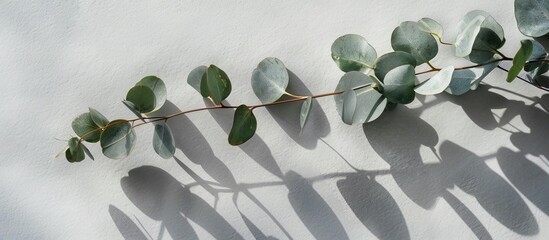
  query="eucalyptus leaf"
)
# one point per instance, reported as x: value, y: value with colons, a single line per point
x: 133, y: 109
x: 87, y: 151
x: 163, y: 141
x: 270, y: 80
x: 352, y: 52
x: 389, y: 61
x: 538, y: 53
x: 142, y: 98
x: 85, y: 127
x: 523, y: 54
x: 349, y: 106
x: 532, y: 17
x: 431, y: 26
x: 461, y: 81
x: 244, y: 126
x: 466, y: 38
x: 158, y: 87
x: 75, y: 151
x: 370, y: 103
x: 436, y: 84
x: 481, y: 73
x: 399, y: 84
x: 409, y: 38
x: 118, y: 139
x: 98, y: 118
x: 487, y: 40
x: 195, y: 77
x: 305, y: 111
x: 215, y: 84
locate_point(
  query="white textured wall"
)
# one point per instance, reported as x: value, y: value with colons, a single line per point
x: 440, y: 168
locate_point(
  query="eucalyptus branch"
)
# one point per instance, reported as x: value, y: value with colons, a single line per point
x: 371, y: 83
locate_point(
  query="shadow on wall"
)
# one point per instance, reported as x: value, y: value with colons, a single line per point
x: 424, y: 183
x: 161, y: 197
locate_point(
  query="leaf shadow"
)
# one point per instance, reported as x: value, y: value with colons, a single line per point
x: 312, y: 209
x: 287, y: 116
x: 161, y: 197
x: 255, y: 148
x: 374, y: 206
x: 125, y: 225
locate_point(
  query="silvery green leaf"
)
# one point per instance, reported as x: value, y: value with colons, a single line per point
x: 370, y: 103
x: 86, y: 128
x: 158, y: 88
x: 389, y: 61
x: 349, y: 106
x: 489, y: 38
x: 98, y: 118
x: 195, y: 77
x: 352, y: 52
x: 143, y: 99
x: 305, y: 111
x: 481, y: 73
x: 270, y: 80
x: 532, y: 17
x: 118, y: 139
x: 398, y: 85
x: 163, y: 141
x: 409, y: 38
x: 461, y: 82
x: 436, y: 84
x: 466, y: 38
x: 431, y: 26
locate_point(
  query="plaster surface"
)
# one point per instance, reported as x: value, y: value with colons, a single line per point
x: 443, y: 167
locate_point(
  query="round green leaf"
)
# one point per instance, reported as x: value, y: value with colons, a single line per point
x: 244, y: 126
x: 349, y: 106
x: 352, y: 52
x: 305, y: 110
x: 75, y: 153
x: 436, y: 84
x: 86, y: 128
x: 489, y: 37
x: 431, y: 26
x: 523, y: 54
x: 142, y: 98
x: 163, y: 141
x: 461, y: 82
x: 269, y: 80
x: 391, y: 60
x: 215, y: 84
x: 481, y: 73
x: 370, y: 103
x: 466, y: 38
x: 532, y: 17
x: 98, y: 118
x: 195, y: 77
x: 158, y: 87
x: 409, y: 38
x: 399, y: 84
x: 118, y: 139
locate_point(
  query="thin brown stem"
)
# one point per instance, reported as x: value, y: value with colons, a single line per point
x: 526, y: 81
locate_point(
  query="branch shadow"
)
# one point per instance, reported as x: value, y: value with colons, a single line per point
x: 161, y: 197
x: 287, y: 116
